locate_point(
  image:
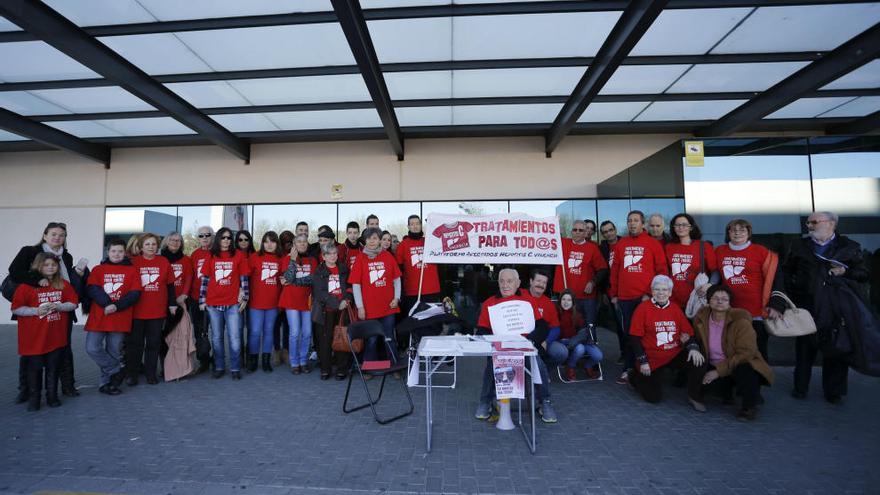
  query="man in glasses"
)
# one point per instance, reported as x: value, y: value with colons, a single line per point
x: 585, y: 269
x: 608, y: 231
x: 822, y: 255
x: 205, y: 236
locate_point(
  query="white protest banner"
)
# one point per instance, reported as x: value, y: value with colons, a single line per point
x: 514, y: 238
x: 508, y: 368
x: 515, y: 317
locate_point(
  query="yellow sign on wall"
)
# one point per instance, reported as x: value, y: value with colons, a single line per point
x: 336, y: 191
x: 693, y: 153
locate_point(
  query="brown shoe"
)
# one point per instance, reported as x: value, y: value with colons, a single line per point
x: 570, y: 374
x: 307, y: 368
x: 296, y: 370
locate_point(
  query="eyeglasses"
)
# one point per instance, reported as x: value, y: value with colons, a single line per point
x: 578, y: 230
x: 54, y: 225
x: 205, y: 236
x: 226, y: 238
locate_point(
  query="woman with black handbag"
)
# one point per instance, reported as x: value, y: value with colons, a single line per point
x: 54, y: 241
x: 330, y: 288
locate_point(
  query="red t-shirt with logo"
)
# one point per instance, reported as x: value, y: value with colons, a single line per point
x: 376, y: 278
x: 545, y: 307
x: 684, y: 266
x: 197, y: 258
x: 582, y: 261
x: 660, y: 331
x: 636, y: 261
x: 484, y: 320
x: 453, y: 237
x: 350, y: 254
x: 224, y: 280
x: 183, y: 273
x: 42, y: 334
x: 741, y: 271
x: 116, y: 281
x: 155, y: 275
x: 334, y: 286
x: 265, y: 280
x: 409, y: 256
x: 295, y: 296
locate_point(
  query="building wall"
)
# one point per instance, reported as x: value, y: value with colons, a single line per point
x: 39, y: 187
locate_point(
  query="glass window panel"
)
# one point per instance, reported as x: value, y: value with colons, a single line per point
x: 712, y: 78
x: 392, y: 216
x: 166, y: 10
x: 285, y: 217
x: 245, y: 122
x: 800, y: 28
x: 642, y: 79
x: 807, y: 107
x: 614, y: 210
x: 612, y: 112
x: 235, y: 217
x: 84, y: 128
x: 37, y: 61
x: 464, y: 207
x: 412, y: 40
x: 101, y: 12
x: 541, y: 81
x: 585, y: 209
x: 251, y: 48
x: 531, y: 35
x: 25, y: 103
x: 777, y: 187
x: 857, y: 108
x: 377, y: 4
x: 419, y: 85
x: 310, y: 89
x: 326, y: 119
x: 154, y: 126
x: 87, y: 100
x: 206, y: 94
x: 703, y: 28
x: 123, y: 222
x: 7, y: 25
x: 541, y: 208
x: 423, y: 116
x: 504, y: 114
x: 866, y: 76
x: 8, y: 136
x: 161, y: 53
x: 666, y: 207
x: 688, y: 110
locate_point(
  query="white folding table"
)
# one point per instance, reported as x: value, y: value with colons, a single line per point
x: 431, y: 348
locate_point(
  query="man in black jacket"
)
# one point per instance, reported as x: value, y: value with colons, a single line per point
x: 823, y: 253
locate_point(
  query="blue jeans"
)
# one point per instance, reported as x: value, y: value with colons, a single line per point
x: 589, y: 308
x: 593, y: 351
x: 225, y: 320
x: 105, y: 348
x: 262, y: 324
x: 300, y: 323
x: 371, y: 349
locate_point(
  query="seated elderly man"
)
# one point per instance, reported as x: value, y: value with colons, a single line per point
x: 508, y: 286
x: 661, y: 338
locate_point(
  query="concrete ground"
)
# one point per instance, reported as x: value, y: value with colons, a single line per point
x: 283, y: 434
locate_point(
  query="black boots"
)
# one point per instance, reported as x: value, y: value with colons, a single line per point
x: 52, y: 388
x: 267, y: 363
x: 35, y: 385
x: 252, y: 363
x: 65, y: 373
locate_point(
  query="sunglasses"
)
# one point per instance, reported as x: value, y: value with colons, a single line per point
x: 243, y: 239
x: 226, y: 238
x: 578, y: 230
x: 205, y: 236
x: 54, y: 225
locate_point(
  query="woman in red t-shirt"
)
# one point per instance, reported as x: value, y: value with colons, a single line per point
x: 385, y: 241
x: 42, y: 314
x: 265, y: 286
x: 750, y: 272
x: 224, y: 293
x: 685, y: 260
x: 157, y: 299
x: 298, y: 268
x: 375, y: 282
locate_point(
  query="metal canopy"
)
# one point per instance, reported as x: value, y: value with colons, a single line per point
x: 864, y: 125
x: 65, y: 36
x: 630, y: 28
x: 847, y: 57
x: 52, y: 137
x: 358, y: 35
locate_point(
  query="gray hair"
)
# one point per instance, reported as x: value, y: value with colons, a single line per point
x: 164, y: 243
x: 579, y: 222
x: 661, y: 280
x: 206, y: 227
x: 508, y: 270
x: 658, y: 216
x: 829, y: 215
x: 329, y: 248
x: 301, y: 237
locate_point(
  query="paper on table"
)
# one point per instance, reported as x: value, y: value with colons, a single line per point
x: 440, y: 346
x: 476, y: 348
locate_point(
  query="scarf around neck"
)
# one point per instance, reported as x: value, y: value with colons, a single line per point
x: 59, y: 253
x: 372, y: 253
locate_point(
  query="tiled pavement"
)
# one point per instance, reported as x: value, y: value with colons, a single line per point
x: 284, y: 434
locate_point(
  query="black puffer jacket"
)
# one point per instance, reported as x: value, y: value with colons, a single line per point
x: 804, y: 273
x: 322, y: 300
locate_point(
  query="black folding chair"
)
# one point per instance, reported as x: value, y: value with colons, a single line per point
x: 365, y: 330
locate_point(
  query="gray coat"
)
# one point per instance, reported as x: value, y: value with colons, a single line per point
x: 322, y: 300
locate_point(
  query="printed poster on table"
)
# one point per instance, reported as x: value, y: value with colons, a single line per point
x: 509, y: 370
x: 514, y: 238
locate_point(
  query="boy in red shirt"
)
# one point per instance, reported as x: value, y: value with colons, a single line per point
x: 409, y: 257
x: 114, y: 287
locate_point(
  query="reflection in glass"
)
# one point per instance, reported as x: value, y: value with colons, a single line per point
x: 285, y: 217
x: 392, y: 216
x: 192, y: 217
x: 121, y: 223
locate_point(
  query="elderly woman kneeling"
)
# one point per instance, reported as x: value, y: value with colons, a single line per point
x: 661, y: 338
x: 731, y: 344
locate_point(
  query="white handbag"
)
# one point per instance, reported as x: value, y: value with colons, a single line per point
x: 795, y: 322
x: 695, y: 302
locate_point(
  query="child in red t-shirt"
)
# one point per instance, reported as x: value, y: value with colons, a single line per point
x: 42, y: 314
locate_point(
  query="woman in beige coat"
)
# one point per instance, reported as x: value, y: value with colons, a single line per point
x: 730, y: 344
